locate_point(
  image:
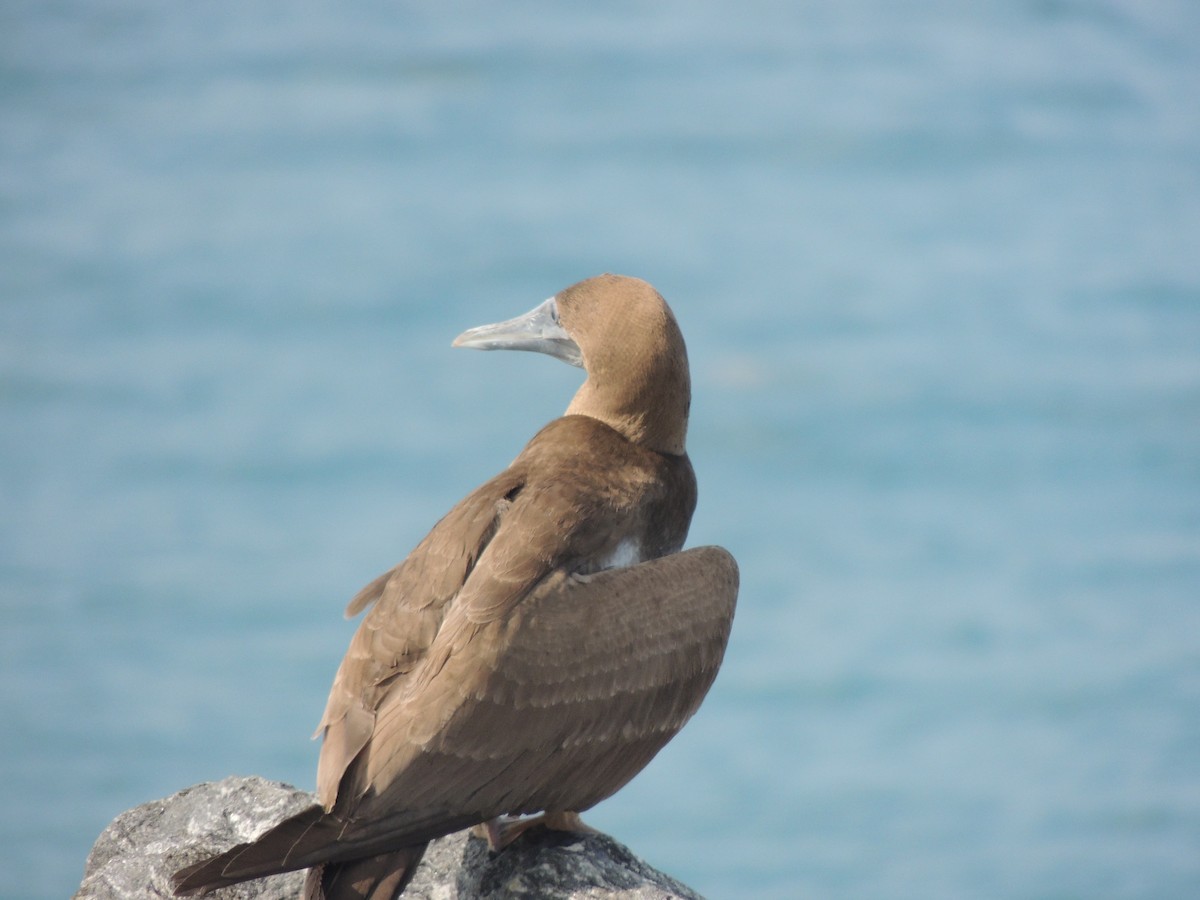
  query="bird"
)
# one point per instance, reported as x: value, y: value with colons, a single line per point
x: 541, y: 644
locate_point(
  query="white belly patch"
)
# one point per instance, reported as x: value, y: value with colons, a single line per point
x: 626, y: 553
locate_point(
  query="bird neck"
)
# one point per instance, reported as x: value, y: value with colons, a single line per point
x: 651, y: 411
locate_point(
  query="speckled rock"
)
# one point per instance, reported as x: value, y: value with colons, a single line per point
x: 136, y: 854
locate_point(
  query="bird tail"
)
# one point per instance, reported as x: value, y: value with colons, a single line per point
x: 380, y: 877
x: 303, y: 840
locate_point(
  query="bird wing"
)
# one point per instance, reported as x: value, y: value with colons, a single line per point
x: 407, y: 605
x: 551, y: 703
x: 554, y: 704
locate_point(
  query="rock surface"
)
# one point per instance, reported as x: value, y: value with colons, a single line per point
x: 136, y: 854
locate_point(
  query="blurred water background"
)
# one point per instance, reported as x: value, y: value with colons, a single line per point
x: 938, y: 265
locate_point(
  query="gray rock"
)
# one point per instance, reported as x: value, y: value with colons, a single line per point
x: 140, y: 849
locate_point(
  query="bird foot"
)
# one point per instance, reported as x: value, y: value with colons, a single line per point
x: 503, y: 830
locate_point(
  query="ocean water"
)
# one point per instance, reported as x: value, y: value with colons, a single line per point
x: 938, y: 266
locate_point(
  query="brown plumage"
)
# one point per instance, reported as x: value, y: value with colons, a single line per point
x: 545, y: 639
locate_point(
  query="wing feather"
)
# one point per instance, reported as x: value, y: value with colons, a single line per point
x: 557, y: 705
x: 406, y: 604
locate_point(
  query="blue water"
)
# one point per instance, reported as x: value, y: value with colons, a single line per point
x: 938, y: 265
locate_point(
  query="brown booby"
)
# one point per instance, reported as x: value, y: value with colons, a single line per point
x: 541, y: 644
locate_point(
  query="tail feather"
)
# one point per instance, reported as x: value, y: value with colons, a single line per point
x: 314, y: 837
x: 380, y: 877
x: 295, y: 843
